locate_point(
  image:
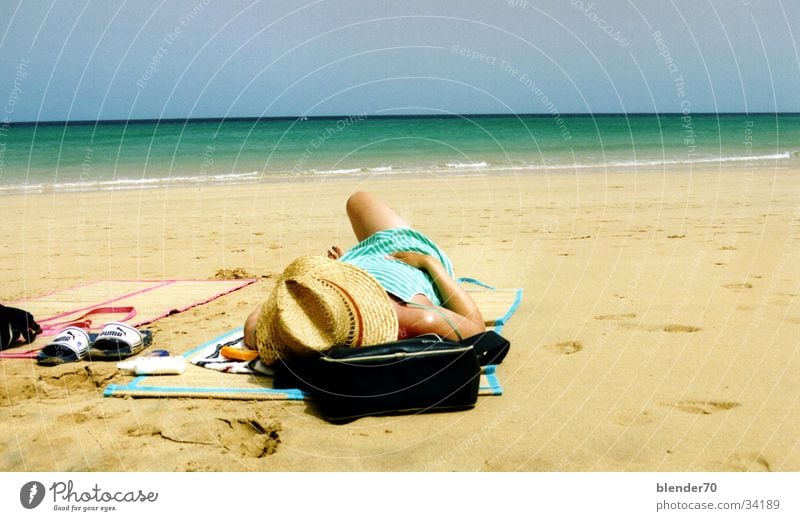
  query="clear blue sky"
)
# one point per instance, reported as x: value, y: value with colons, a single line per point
x: 87, y: 60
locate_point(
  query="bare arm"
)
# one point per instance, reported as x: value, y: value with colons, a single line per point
x: 458, y: 306
x: 250, y: 328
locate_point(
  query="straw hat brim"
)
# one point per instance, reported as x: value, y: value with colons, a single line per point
x: 319, y: 303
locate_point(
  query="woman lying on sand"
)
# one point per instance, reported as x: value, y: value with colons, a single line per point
x: 395, y: 283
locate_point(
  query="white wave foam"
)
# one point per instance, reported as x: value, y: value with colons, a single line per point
x: 477, y: 164
x: 128, y: 184
x: 234, y: 177
x: 642, y: 163
x: 728, y: 159
x: 336, y: 171
x: 473, y: 168
x: 363, y: 170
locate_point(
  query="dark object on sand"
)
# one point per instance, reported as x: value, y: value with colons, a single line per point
x: 16, y: 324
x: 422, y: 374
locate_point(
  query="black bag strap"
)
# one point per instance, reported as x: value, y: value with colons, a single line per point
x: 490, y: 347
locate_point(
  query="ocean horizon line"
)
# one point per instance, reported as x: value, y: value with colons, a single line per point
x: 334, y: 117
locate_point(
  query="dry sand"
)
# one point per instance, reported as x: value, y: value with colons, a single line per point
x: 658, y: 331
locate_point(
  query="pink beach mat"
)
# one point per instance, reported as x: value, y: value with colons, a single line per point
x: 136, y: 302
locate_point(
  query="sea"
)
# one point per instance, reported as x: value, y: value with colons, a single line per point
x: 48, y: 157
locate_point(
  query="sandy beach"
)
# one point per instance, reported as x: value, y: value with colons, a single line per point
x: 658, y: 330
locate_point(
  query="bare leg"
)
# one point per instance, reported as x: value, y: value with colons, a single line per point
x: 368, y: 215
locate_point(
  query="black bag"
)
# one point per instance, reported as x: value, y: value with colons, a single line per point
x: 420, y: 374
x: 16, y: 323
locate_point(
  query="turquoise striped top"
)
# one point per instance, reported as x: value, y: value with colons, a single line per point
x: 396, y: 277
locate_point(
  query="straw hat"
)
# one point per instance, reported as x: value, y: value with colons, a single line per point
x: 320, y: 303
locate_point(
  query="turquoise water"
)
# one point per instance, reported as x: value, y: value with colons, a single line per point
x: 134, y: 154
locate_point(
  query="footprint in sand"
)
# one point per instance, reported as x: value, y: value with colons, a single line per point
x: 736, y: 287
x: 622, y: 316
x: 249, y: 437
x: 702, y: 406
x: 73, y: 418
x: 233, y: 274
x: 566, y: 348
x: 142, y: 430
x: 60, y: 380
x: 746, y: 462
x: 677, y: 328
x: 669, y: 328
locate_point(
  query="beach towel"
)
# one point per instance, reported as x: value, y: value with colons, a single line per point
x: 211, y: 376
x: 497, y: 305
x: 251, y: 380
x: 136, y: 302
